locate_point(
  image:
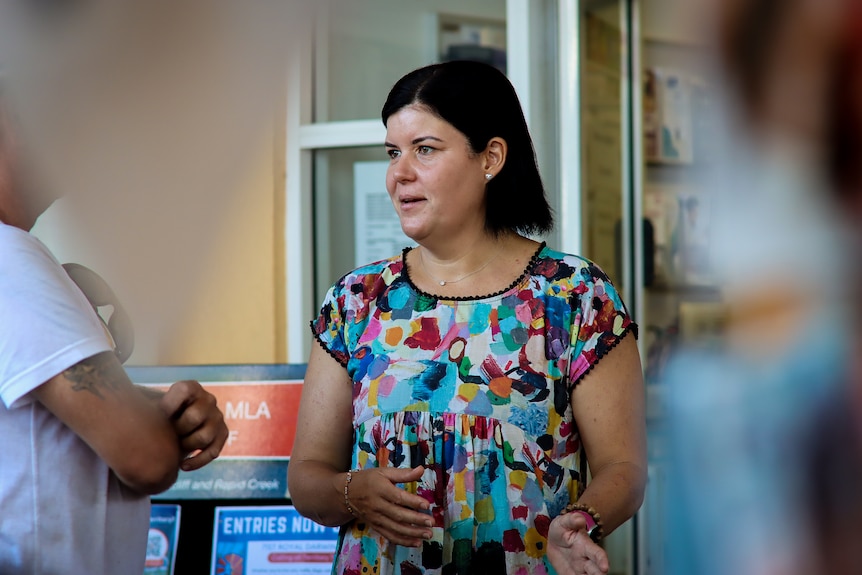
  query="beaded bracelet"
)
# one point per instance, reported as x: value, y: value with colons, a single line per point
x: 346, y: 498
x: 594, y: 520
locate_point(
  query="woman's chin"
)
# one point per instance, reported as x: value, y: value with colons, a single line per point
x: 412, y: 232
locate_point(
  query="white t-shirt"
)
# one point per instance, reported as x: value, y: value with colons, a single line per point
x: 62, y: 510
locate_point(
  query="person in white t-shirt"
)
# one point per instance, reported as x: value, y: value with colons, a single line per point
x: 82, y: 447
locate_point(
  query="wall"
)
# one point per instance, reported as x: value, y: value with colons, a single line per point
x: 199, y: 289
x: 234, y: 318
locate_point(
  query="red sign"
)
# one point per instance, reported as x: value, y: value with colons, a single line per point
x: 260, y: 416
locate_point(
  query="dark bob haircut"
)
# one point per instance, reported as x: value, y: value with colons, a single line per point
x: 480, y: 102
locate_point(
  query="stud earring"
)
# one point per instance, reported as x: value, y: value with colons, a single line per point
x: 488, y: 177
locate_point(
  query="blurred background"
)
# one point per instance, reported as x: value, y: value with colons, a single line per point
x: 213, y: 160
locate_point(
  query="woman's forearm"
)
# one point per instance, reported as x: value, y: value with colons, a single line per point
x: 616, y: 492
x: 317, y: 492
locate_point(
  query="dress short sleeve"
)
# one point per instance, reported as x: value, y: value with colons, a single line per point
x: 328, y: 327
x: 345, y: 309
x: 602, y: 320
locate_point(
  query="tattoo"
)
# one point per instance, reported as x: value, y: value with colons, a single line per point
x: 96, y: 374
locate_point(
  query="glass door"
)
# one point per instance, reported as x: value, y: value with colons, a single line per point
x: 609, y: 154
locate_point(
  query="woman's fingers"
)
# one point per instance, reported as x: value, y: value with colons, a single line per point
x: 372, y: 489
x: 388, y: 509
x: 570, y: 549
x: 399, y: 532
x: 598, y: 559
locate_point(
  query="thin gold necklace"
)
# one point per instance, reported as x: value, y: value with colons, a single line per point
x: 463, y: 277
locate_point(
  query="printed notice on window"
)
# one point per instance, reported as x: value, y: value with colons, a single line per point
x: 377, y: 228
x: 270, y: 540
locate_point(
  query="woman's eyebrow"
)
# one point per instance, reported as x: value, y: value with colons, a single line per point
x: 415, y: 141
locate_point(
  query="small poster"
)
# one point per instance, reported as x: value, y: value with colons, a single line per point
x: 162, y: 539
x: 378, y: 230
x: 668, y: 116
x: 271, y: 540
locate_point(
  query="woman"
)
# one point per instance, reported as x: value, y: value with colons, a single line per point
x: 454, y: 387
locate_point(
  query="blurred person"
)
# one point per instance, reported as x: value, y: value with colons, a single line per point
x: 766, y: 431
x: 151, y: 112
x: 83, y: 446
x: 835, y: 461
x: 457, y: 391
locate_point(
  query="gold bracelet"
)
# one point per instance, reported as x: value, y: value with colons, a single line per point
x: 346, y: 498
x: 594, y: 521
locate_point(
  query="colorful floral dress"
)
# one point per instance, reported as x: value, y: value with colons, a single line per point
x: 477, y: 390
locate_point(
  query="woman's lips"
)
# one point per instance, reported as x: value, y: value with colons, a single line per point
x: 410, y: 201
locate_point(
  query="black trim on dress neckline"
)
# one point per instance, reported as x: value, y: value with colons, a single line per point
x: 534, y: 259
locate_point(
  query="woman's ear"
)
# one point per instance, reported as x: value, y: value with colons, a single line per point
x: 495, y: 155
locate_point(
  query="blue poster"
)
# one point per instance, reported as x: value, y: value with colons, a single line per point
x: 273, y: 540
x: 162, y: 540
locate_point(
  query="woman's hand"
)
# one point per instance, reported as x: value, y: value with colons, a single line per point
x: 397, y: 515
x: 570, y: 549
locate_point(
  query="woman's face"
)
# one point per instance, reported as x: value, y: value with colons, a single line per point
x: 435, y: 181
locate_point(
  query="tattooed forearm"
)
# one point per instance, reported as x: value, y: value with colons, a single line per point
x: 96, y: 374
x: 155, y: 394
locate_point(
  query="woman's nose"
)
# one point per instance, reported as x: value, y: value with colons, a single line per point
x: 402, y: 169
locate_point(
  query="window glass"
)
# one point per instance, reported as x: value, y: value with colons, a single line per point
x: 349, y: 197
x: 364, y: 47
